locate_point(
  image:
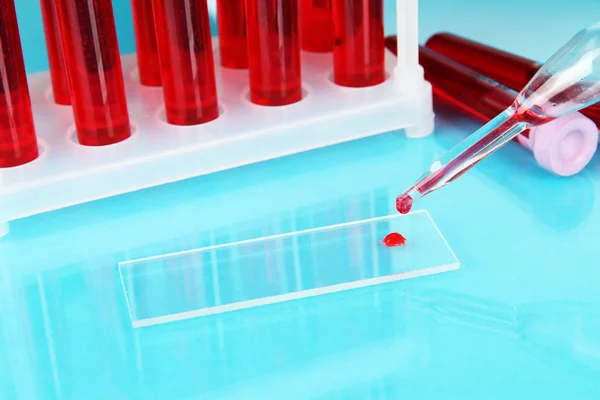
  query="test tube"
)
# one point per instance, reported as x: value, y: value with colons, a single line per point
x: 187, y: 66
x: 503, y: 67
x: 316, y: 25
x: 18, y: 143
x: 564, y: 146
x: 145, y: 43
x: 89, y: 43
x: 58, y: 72
x: 359, y: 51
x: 274, y: 52
x: 506, y: 68
x: 231, y: 19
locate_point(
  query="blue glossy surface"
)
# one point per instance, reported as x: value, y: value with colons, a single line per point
x: 520, y: 320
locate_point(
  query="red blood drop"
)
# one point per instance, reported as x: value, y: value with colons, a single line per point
x: 394, y: 239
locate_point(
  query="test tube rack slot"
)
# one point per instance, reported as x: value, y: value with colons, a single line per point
x: 67, y: 173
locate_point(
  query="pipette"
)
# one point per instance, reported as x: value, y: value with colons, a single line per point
x: 567, y: 82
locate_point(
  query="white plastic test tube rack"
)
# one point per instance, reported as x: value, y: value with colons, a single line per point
x: 67, y: 173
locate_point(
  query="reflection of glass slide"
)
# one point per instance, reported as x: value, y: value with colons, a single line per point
x: 250, y: 273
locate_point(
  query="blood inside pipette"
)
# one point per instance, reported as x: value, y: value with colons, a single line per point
x: 514, y: 120
x: 404, y: 203
x: 394, y: 239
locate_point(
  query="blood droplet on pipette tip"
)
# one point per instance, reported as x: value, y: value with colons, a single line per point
x: 404, y: 203
x: 394, y: 239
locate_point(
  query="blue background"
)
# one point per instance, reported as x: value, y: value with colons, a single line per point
x: 520, y: 320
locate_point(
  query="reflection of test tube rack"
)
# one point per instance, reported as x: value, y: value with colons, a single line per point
x: 363, y: 355
x: 180, y: 231
x: 252, y: 271
x: 212, y: 282
x: 57, y: 321
x: 282, y: 277
x: 242, y: 133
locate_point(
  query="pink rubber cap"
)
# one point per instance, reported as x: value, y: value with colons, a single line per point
x: 566, y: 145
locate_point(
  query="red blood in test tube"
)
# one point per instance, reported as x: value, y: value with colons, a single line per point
x: 359, y: 52
x: 231, y: 19
x: 506, y: 68
x: 145, y: 43
x: 316, y: 25
x: 187, y: 66
x: 274, y: 52
x: 18, y: 143
x: 58, y: 72
x: 462, y: 88
x: 89, y: 42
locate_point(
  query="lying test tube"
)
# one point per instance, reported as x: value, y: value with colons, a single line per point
x: 58, y: 71
x: 18, y: 143
x: 187, y: 64
x: 508, y: 69
x: 274, y: 52
x: 89, y: 42
x: 564, y: 146
x: 567, y: 82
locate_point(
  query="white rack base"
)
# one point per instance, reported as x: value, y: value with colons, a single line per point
x: 67, y: 173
